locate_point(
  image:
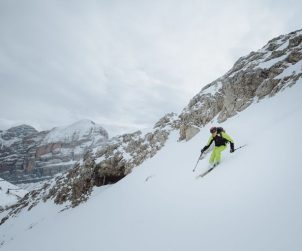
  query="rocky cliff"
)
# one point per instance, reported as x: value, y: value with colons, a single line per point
x: 260, y: 74
x: 27, y: 155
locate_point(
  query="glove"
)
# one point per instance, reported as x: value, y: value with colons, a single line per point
x: 203, y: 150
x: 232, y: 148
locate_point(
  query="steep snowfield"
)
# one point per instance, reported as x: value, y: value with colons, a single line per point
x: 7, y: 199
x: 252, y: 201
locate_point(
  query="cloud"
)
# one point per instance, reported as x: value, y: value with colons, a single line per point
x: 123, y: 63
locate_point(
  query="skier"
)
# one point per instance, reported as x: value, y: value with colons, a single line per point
x: 220, y: 138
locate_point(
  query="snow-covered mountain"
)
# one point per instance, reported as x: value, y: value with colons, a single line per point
x: 78, y: 131
x: 9, y: 194
x: 251, y: 201
x: 27, y: 155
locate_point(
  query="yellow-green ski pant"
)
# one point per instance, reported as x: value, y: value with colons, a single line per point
x: 216, y: 154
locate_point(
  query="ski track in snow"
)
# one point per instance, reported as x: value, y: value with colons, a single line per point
x: 251, y: 201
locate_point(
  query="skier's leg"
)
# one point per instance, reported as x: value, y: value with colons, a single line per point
x: 212, y: 157
x: 218, y: 151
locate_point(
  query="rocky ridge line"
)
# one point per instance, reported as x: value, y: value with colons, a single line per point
x: 259, y: 74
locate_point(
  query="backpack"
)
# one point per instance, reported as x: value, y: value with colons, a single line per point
x: 220, y: 130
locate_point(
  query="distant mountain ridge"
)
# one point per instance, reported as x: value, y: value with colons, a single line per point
x: 27, y: 155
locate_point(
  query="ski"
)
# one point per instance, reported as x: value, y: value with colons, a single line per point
x: 205, y: 173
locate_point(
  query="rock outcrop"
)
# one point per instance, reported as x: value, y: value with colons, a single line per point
x: 258, y: 75
x: 111, y: 162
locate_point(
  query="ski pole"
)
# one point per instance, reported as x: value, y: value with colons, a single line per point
x: 239, y: 147
x: 197, y: 162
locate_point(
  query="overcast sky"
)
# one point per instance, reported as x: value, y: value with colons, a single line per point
x: 123, y: 64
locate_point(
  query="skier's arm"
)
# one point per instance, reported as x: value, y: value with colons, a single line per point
x: 208, y: 144
x: 228, y: 138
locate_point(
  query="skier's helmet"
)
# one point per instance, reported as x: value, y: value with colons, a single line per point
x: 213, y: 129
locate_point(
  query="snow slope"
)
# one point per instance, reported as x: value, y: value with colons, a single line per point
x: 252, y: 201
x: 8, y: 199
